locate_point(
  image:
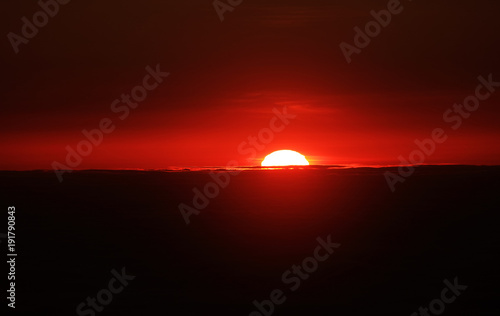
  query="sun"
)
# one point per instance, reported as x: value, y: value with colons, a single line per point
x: 284, y: 158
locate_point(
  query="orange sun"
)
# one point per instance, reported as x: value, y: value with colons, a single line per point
x: 284, y: 158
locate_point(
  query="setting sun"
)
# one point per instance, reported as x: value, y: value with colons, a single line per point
x: 284, y: 158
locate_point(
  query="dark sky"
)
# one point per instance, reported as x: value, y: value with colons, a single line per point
x: 226, y: 77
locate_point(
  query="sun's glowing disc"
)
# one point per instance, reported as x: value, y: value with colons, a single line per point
x: 284, y: 158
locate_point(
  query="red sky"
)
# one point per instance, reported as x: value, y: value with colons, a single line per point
x: 226, y: 77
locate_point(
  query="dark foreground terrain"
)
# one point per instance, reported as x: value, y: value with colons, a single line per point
x: 396, y: 249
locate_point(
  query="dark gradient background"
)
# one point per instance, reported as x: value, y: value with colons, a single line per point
x: 396, y: 249
x: 225, y: 80
x: 226, y: 77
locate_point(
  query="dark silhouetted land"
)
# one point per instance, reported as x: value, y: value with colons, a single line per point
x: 396, y: 248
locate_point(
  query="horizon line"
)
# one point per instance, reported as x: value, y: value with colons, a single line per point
x: 255, y: 167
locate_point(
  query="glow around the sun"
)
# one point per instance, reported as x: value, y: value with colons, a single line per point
x: 284, y: 158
